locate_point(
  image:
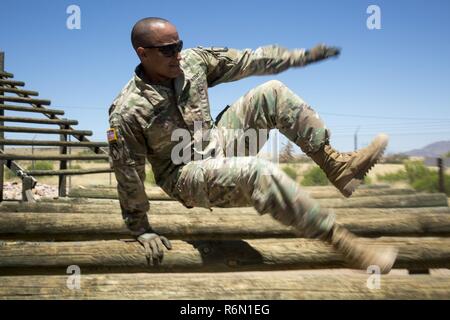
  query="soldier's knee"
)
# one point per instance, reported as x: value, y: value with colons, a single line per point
x: 261, y: 167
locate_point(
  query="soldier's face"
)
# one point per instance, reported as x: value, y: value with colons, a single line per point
x: 163, y: 62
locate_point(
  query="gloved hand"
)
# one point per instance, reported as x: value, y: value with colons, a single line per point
x: 153, y: 245
x: 321, y: 52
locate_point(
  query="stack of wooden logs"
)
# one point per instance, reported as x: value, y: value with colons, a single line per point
x: 221, y: 254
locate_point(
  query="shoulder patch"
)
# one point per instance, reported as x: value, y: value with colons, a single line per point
x: 112, y: 135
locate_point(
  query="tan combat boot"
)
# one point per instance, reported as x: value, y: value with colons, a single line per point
x: 347, y: 170
x: 359, y: 253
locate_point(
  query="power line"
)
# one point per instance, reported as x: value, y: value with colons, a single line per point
x: 379, y: 117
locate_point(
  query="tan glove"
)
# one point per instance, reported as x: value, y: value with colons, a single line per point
x: 154, y: 247
x: 321, y: 52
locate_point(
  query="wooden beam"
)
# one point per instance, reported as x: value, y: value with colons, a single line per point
x: 163, y: 207
x: 46, y: 131
x: 111, y: 193
x: 13, y: 142
x: 62, y: 179
x: 232, y: 225
x: 229, y: 285
x: 37, y: 120
x: 50, y: 112
x: 386, y: 201
x: 214, y: 255
x: 6, y: 74
x: 12, y: 83
x: 25, y: 100
x: 67, y: 172
x: 159, y: 194
x: 9, y: 156
x: 15, y: 90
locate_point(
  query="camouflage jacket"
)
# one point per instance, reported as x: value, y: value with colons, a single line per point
x: 143, y: 117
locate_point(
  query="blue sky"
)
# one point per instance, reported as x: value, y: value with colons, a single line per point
x: 394, y: 80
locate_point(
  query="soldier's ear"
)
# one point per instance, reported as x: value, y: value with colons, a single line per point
x: 141, y: 53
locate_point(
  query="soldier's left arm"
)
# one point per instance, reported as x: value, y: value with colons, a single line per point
x: 226, y: 65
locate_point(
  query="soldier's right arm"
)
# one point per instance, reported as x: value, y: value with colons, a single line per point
x: 127, y: 153
x: 226, y: 65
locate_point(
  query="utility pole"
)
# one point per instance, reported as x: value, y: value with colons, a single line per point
x: 356, y: 138
x: 441, y: 171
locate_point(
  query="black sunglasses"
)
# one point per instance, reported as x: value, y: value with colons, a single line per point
x: 168, y: 50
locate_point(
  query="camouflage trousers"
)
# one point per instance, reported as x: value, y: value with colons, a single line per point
x: 230, y: 181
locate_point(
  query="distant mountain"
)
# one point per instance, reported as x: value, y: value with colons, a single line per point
x: 433, y: 150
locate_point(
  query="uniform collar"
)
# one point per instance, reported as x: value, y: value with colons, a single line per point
x: 152, y: 92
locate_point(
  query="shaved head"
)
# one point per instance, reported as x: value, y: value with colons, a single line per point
x: 158, y: 46
x: 146, y: 31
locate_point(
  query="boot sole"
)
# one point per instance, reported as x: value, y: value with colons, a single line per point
x: 385, y: 260
x: 354, y: 183
x: 389, y: 259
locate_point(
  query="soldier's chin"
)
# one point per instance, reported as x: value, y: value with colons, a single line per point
x: 175, y: 72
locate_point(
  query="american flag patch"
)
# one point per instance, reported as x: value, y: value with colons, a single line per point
x: 111, y: 134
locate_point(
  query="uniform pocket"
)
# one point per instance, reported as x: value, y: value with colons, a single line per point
x: 191, y: 189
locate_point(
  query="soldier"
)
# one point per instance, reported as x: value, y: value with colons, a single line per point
x: 168, y: 94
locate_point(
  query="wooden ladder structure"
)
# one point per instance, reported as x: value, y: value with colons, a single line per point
x: 14, y: 98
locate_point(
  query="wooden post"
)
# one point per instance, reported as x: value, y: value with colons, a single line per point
x: 2, y: 134
x: 441, y: 168
x: 70, y: 165
x: 62, y: 185
x: 27, y: 186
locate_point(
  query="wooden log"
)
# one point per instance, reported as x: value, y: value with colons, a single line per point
x: 25, y: 100
x: 9, y: 156
x: 19, y: 91
x: 67, y: 172
x: 159, y: 194
x: 17, y: 142
x: 45, y: 130
x: 386, y: 201
x: 218, y: 226
x: 229, y: 285
x: 88, y: 205
x: 212, y: 255
x: 31, y: 109
x: 111, y: 193
x: 41, y: 121
x: 12, y: 83
x: 401, y: 201
x: 6, y: 74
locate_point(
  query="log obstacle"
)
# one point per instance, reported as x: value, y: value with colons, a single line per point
x: 156, y: 193
x: 241, y: 285
x: 103, y: 206
x: 80, y: 226
x: 396, y: 198
x: 211, y: 255
x: 226, y: 253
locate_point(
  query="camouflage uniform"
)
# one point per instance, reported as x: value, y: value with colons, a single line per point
x: 143, y: 118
